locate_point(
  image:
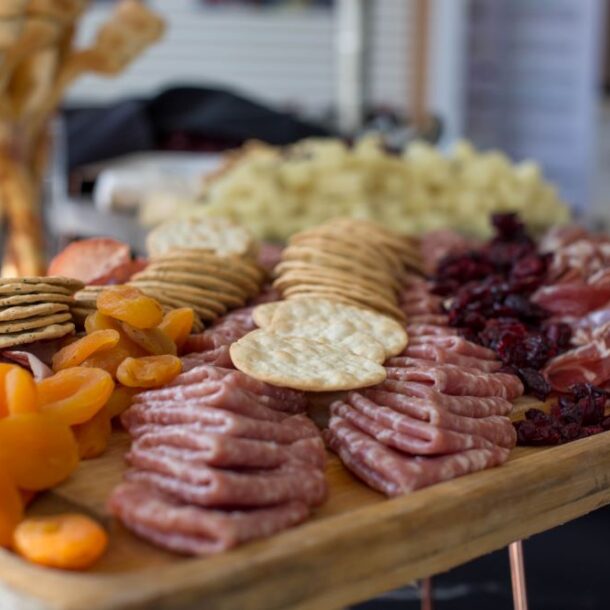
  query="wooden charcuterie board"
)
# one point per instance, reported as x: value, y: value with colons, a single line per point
x: 357, y: 545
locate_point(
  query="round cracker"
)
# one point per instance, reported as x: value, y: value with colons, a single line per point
x: 206, y: 298
x: 17, y: 326
x: 19, y: 312
x: 324, y: 311
x: 55, y: 280
x: 16, y: 288
x: 218, y: 234
x: 236, y: 263
x: 46, y: 297
x: 54, y: 331
x: 205, y: 281
x: 303, y: 363
x: 214, y: 269
x: 263, y: 314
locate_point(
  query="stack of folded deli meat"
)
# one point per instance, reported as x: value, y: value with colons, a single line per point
x: 441, y: 412
x: 218, y: 458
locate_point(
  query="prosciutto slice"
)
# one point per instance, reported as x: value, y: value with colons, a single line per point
x: 575, y: 298
x: 193, y: 530
x: 458, y: 381
x: 391, y: 472
x: 418, y: 329
x: 589, y: 363
x: 453, y: 343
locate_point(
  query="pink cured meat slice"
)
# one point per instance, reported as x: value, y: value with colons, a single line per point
x: 218, y: 394
x: 421, y: 439
x: 229, y: 452
x: 419, y: 329
x: 226, y: 330
x: 589, y: 363
x: 218, y: 421
x: 206, y: 486
x: 467, y: 406
x: 416, y: 415
x: 572, y: 298
x: 216, y: 357
x: 394, y: 473
x: 432, y: 319
x: 459, y: 381
x: 453, y: 343
x: 194, y: 530
x: 442, y: 355
x: 421, y: 304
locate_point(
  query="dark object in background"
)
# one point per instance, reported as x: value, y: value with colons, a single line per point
x: 181, y: 118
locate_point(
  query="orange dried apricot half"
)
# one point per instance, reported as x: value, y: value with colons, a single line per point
x: 92, y: 437
x: 36, y: 450
x: 152, y: 340
x: 21, y: 392
x: 119, y: 401
x: 69, y: 541
x: 11, y: 509
x: 75, y: 395
x: 148, y: 372
x: 130, y: 305
x: 177, y: 324
x: 77, y: 352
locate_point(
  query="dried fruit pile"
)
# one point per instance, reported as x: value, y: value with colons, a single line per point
x: 47, y: 426
x: 490, y: 302
x: 578, y: 414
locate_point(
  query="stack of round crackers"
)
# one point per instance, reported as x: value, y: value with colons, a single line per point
x: 318, y: 345
x: 208, y: 283
x: 35, y: 308
x: 351, y: 261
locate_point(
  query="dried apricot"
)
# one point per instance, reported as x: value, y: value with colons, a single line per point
x: 148, y: 372
x: 4, y: 370
x: 151, y: 340
x: 92, y: 437
x: 27, y: 496
x: 108, y: 360
x: 75, y: 395
x: 119, y: 401
x: 177, y: 324
x: 128, y: 304
x: 77, y: 352
x: 98, y: 321
x: 70, y: 541
x: 21, y: 392
x: 11, y: 509
x: 36, y: 450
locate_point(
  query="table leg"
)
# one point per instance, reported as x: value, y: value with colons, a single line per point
x: 517, y: 574
x: 427, y: 603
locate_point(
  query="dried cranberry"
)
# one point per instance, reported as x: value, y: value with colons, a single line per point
x: 606, y: 423
x: 589, y: 431
x: 534, y: 383
x: 528, y: 433
x: 507, y: 225
x: 531, y: 266
x: 521, y: 307
x: 559, y: 335
x: 570, y: 432
x: 538, y: 416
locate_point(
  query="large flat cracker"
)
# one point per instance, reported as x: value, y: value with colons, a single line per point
x: 15, y: 288
x: 21, y: 299
x: 303, y: 364
x: 55, y: 280
x: 17, y: 326
x: 317, y: 311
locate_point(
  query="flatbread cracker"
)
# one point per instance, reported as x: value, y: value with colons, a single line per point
x: 303, y: 364
x: 17, y: 326
x: 55, y: 280
x: 21, y: 299
x: 54, y: 331
x: 186, y: 292
x: 20, y: 312
x: 205, y: 281
x: 15, y: 288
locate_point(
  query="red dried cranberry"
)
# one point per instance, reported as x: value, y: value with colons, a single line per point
x: 589, y: 431
x: 538, y: 416
x: 528, y: 433
x: 534, y: 383
x: 507, y: 225
x: 559, y: 335
x: 606, y: 423
x: 521, y: 307
x: 570, y: 432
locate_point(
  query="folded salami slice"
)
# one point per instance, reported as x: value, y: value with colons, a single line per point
x: 217, y: 394
x: 421, y: 417
x: 433, y: 319
x: 227, y: 452
x: 417, y: 439
x: 137, y: 420
x: 206, y: 486
x: 419, y: 304
x: 442, y: 355
x: 194, y: 530
x: 456, y: 344
x: 468, y: 406
x: 459, y: 381
x: 394, y: 473
x: 215, y: 357
x: 418, y: 329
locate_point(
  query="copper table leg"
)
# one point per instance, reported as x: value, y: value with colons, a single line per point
x: 427, y: 602
x: 517, y: 574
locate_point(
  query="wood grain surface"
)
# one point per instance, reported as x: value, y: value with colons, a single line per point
x: 357, y: 545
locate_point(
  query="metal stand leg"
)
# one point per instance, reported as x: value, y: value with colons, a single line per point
x: 517, y: 574
x: 427, y: 603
